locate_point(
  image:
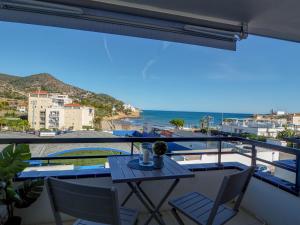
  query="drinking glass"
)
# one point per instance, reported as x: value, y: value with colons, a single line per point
x: 146, y: 155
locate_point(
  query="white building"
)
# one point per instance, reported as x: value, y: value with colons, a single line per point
x: 129, y: 107
x: 265, y: 128
x: 56, y: 111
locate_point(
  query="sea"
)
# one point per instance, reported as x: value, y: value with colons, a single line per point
x: 192, y: 119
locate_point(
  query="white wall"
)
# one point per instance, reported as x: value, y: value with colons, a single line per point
x: 267, y: 202
x: 267, y: 155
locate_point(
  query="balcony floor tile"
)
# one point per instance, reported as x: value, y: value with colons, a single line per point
x: 242, y: 218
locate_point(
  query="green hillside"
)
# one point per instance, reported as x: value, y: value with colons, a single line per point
x: 16, y: 87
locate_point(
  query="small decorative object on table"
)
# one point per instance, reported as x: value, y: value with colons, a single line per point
x: 159, y: 149
x: 146, y: 155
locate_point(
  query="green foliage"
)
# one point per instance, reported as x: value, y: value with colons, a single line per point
x: 14, y: 124
x: 45, y: 130
x: 228, y: 120
x: 13, y: 161
x: 204, y: 130
x: 98, y: 123
x: 205, y: 122
x: 10, y: 114
x: 29, y: 192
x: 160, y: 148
x: 84, y: 162
x: 178, y: 123
x: 102, y: 103
x: 87, y: 127
x: 4, y: 105
x: 12, y: 95
x: 253, y: 137
x: 286, y: 133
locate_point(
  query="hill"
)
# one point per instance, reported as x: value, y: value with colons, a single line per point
x: 15, y: 87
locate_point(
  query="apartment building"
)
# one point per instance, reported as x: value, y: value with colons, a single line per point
x: 294, y: 118
x: 78, y: 117
x: 252, y: 126
x: 56, y: 111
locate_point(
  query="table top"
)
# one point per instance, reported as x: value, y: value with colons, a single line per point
x: 120, y: 172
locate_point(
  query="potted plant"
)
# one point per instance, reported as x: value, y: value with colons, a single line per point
x: 159, y: 149
x: 13, y: 160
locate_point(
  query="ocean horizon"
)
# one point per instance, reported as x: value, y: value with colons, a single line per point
x: 192, y: 119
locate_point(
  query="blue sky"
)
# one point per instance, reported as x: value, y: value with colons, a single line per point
x: 262, y: 74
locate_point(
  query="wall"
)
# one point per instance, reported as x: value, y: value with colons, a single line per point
x: 267, y: 202
x: 267, y: 155
x: 35, y: 106
x: 87, y: 116
x: 273, y: 205
x: 73, y: 118
x: 61, y: 117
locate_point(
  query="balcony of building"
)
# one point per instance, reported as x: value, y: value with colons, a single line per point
x: 272, y: 197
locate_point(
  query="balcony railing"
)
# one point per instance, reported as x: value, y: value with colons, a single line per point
x: 252, y: 152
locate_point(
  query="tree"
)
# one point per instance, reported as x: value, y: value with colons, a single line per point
x: 286, y: 133
x: 177, y: 123
x: 98, y: 122
x: 205, y: 122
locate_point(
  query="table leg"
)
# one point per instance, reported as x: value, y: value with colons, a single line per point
x: 140, y: 197
x: 129, y: 196
x: 156, y: 210
x: 146, y: 197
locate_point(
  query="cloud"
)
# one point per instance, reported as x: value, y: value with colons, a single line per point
x: 153, y: 60
x: 147, y: 67
x: 109, y: 56
x: 229, y: 72
x: 165, y: 45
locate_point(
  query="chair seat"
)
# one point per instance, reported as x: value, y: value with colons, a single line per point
x: 197, y: 207
x: 128, y: 217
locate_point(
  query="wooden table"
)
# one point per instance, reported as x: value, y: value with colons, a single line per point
x: 121, y: 173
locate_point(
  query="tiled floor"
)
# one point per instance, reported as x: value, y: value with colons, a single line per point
x: 242, y: 218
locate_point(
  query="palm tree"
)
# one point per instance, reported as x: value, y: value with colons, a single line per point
x: 205, y: 122
x: 177, y: 123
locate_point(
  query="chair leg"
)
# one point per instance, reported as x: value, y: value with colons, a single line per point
x: 177, y: 217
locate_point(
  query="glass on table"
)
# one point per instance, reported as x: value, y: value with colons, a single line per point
x: 146, y: 154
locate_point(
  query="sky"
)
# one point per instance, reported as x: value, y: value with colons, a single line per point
x: 263, y: 73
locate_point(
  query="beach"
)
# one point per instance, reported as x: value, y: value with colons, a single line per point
x: 137, y: 120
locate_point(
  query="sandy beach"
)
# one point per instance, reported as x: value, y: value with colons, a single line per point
x: 117, y: 122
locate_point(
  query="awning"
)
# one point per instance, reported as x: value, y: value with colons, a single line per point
x: 210, y: 23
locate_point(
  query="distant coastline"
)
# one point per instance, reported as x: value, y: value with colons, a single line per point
x: 192, y: 119
x: 121, y: 116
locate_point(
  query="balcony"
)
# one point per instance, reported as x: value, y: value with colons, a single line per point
x: 272, y: 196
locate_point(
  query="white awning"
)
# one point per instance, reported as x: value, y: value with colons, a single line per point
x: 210, y: 23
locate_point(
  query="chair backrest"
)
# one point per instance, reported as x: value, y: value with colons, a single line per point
x: 96, y: 204
x: 233, y: 187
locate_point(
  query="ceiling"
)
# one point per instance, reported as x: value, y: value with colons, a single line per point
x: 271, y: 18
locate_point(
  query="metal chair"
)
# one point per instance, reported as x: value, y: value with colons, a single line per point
x: 205, y: 211
x: 93, y: 205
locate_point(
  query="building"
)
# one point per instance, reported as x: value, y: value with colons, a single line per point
x: 22, y: 108
x: 78, y: 117
x: 129, y: 107
x: 56, y: 111
x: 294, y: 119
x: 266, y: 128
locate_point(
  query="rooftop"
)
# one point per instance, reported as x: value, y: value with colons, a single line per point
x: 72, y: 105
x: 40, y: 92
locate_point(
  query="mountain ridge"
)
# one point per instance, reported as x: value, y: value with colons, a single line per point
x: 17, y: 87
